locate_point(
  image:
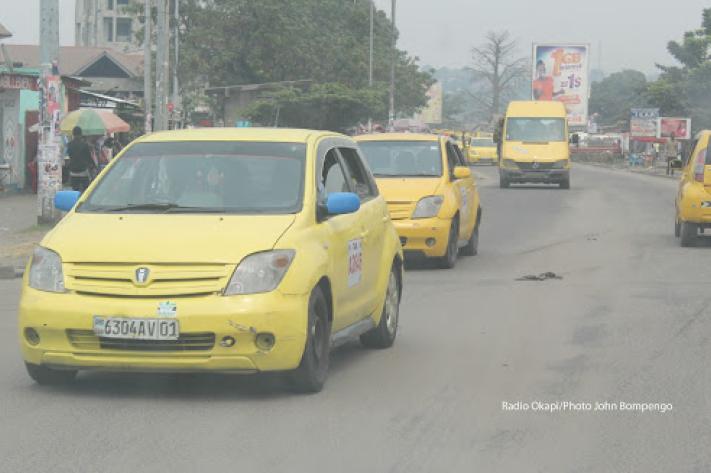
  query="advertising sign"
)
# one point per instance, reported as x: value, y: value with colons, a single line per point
x: 679, y: 127
x: 644, y: 122
x: 560, y: 72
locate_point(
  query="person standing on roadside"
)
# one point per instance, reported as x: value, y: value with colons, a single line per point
x: 80, y: 162
x: 671, y: 151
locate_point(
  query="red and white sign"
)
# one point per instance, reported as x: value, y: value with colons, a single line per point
x: 679, y: 127
x: 355, y: 262
x: 18, y: 81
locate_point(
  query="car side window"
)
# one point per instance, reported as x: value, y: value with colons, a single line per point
x: 332, y: 177
x: 452, y: 158
x: 460, y: 155
x: 360, y: 181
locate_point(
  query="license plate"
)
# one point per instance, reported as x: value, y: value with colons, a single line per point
x: 136, y: 329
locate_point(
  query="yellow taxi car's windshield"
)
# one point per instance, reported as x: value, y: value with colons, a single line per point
x: 535, y: 130
x: 483, y: 142
x: 194, y: 177
x: 403, y: 158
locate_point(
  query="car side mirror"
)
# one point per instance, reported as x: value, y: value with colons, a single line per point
x: 66, y: 200
x: 462, y: 172
x: 339, y: 203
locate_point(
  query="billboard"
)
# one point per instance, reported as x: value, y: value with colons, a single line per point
x: 560, y: 72
x: 644, y: 122
x: 679, y: 127
x: 432, y: 113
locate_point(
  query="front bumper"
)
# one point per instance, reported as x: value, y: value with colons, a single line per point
x: 548, y: 175
x: 415, y: 233
x: 53, y: 316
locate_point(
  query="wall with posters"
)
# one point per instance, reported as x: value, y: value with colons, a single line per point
x: 10, y: 142
x: 561, y: 72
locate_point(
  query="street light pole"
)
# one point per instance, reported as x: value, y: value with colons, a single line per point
x: 176, y: 45
x: 148, y: 67
x: 370, y: 57
x: 162, y: 59
x: 49, y: 160
x: 391, y: 117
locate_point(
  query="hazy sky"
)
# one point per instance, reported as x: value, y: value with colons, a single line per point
x: 633, y: 33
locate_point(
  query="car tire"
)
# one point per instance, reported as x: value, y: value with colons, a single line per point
x: 677, y: 227
x: 689, y: 232
x: 565, y: 184
x: 311, y: 374
x: 472, y: 247
x: 449, y: 260
x: 383, y: 336
x: 48, y: 376
x: 503, y: 182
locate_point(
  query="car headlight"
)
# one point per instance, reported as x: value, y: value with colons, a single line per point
x: 260, y: 272
x: 509, y: 163
x: 559, y: 164
x: 46, y: 271
x: 428, y: 207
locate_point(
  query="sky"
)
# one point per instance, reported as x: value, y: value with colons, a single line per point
x: 629, y: 33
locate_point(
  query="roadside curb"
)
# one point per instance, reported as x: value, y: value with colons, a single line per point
x: 627, y: 170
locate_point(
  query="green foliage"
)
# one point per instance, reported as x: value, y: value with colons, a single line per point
x: 230, y: 42
x: 613, y: 97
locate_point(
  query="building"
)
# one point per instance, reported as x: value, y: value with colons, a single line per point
x: 105, y: 23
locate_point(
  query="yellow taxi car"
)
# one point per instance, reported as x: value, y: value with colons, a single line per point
x: 431, y: 193
x: 482, y: 150
x: 693, y: 201
x: 236, y: 250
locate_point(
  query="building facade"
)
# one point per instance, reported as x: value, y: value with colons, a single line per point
x: 105, y: 23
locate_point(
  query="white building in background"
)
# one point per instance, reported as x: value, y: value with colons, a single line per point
x: 105, y: 23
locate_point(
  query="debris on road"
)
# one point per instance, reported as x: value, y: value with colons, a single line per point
x: 540, y: 277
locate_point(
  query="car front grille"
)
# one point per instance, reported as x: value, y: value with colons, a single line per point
x: 535, y: 166
x: 400, y: 210
x: 165, y: 280
x: 87, y: 340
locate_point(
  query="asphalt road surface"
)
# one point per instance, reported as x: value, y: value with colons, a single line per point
x: 629, y: 322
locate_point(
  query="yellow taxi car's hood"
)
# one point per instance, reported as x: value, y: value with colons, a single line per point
x: 529, y: 152
x: 483, y: 152
x: 410, y: 189
x: 144, y: 238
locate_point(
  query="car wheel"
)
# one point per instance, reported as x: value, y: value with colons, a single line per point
x: 677, y: 228
x: 689, y: 233
x: 383, y: 336
x: 472, y: 247
x: 449, y: 260
x: 47, y: 376
x: 503, y: 182
x: 565, y: 184
x: 310, y: 376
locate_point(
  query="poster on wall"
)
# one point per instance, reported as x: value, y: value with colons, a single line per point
x: 644, y: 122
x: 560, y: 72
x: 680, y: 128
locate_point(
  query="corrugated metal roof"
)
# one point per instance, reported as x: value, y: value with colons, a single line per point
x: 74, y: 59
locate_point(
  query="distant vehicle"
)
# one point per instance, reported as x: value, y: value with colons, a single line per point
x: 431, y: 193
x: 482, y: 149
x: 693, y: 201
x: 534, y: 144
x: 236, y: 250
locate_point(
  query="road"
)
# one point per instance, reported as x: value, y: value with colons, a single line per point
x: 628, y: 322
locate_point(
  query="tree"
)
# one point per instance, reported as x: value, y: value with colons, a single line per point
x: 613, y: 97
x: 495, y: 63
x: 230, y: 42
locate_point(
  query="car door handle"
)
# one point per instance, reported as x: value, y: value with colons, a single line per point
x: 386, y: 218
x: 364, y: 234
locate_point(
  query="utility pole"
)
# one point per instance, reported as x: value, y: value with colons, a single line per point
x: 176, y: 46
x: 162, y: 65
x: 370, y: 57
x: 148, y: 67
x: 391, y: 117
x: 49, y: 165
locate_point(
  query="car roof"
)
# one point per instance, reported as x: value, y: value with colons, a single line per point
x: 398, y: 137
x: 536, y: 108
x: 278, y: 135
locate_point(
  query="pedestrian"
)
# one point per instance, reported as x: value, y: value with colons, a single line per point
x: 671, y: 151
x: 81, y: 165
